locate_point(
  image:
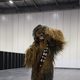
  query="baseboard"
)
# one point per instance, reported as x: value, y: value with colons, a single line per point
x: 67, y: 68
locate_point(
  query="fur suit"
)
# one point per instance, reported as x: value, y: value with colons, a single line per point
x: 42, y: 65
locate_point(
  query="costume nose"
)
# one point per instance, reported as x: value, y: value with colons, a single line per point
x: 41, y: 34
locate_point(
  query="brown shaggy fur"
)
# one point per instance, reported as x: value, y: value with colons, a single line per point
x: 56, y: 42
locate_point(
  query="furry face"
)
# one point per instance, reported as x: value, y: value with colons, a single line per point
x: 39, y: 34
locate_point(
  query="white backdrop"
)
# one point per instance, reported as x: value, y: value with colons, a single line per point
x: 16, y: 33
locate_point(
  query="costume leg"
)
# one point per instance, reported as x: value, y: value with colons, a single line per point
x: 48, y: 76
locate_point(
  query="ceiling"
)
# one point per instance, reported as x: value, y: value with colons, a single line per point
x: 20, y: 6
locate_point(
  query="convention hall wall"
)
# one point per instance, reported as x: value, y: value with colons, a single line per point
x: 16, y: 33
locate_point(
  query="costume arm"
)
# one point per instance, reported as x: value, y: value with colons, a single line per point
x: 56, y: 41
x: 30, y: 56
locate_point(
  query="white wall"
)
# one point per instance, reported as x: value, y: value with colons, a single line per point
x: 16, y: 33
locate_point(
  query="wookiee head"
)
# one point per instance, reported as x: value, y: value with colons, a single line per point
x: 39, y: 33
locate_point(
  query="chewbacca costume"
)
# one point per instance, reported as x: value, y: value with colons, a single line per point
x: 40, y: 56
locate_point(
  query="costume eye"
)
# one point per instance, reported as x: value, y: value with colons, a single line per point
x: 38, y: 32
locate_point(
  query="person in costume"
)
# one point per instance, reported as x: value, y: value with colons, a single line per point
x: 48, y: 42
